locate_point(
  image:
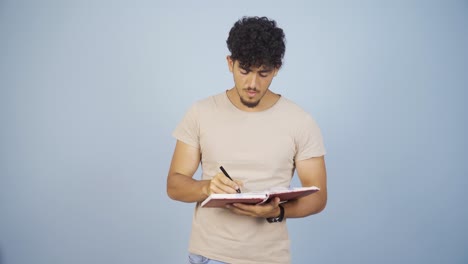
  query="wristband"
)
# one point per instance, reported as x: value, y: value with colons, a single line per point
x: 279, y: 218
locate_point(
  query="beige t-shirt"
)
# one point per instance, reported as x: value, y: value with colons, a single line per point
x: 258, y: 148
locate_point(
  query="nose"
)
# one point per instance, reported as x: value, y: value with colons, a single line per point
x: 252, y: 81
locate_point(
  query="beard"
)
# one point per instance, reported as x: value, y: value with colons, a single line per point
x: 249, y: 104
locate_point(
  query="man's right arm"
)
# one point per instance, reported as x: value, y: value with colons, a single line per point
x: 180, y: 183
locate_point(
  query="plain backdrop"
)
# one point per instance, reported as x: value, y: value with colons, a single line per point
x: 90, y: 92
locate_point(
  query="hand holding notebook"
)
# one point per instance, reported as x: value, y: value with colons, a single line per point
x: 285, y: 194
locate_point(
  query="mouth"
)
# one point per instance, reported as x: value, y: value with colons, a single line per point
x: 251, y: 93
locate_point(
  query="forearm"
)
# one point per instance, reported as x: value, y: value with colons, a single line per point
x: 186, y: 189
x: 305, y: 206
x: 311, y: 172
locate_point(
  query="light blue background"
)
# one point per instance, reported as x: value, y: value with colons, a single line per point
x: 91, y: 91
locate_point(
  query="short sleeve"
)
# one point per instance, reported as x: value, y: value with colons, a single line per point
x: 188, y: 129
x: 309, y: 141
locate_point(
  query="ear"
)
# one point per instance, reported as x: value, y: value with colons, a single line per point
x: 230, y: 63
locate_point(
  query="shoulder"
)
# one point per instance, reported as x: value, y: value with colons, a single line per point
x: 293, y: 110
x: 290, y: 104
x: 210, y: 102
x: 297, y: 118
x: 206, y: 107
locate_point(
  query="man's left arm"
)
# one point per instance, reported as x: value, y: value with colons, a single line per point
x: 311, y: 172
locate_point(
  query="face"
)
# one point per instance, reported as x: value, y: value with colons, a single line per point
x: 251, y: 84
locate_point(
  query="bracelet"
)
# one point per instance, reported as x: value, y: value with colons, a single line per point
x: 279, y: 218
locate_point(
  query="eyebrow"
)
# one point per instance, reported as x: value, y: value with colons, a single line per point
x: 261, y: 71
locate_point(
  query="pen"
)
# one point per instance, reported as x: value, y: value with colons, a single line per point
x: 229, y: 177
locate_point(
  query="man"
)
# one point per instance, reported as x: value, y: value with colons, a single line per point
x: 260, y: 138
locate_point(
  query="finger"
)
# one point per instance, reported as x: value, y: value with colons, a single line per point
x: 276, y: 201
x: 270, y: 207
x: 214, y: 188
x: 225, y: 184
x: 235, y: 208
x: 245, y: 207
x: 252, y: 210
x: 215, y: 185
x: 240, y: 184
x: 220, y: 184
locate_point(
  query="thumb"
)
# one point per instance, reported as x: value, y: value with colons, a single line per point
x: 276, y: 201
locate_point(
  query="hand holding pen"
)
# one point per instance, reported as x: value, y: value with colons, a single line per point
x: 229, y: 177
x: 223, y: 183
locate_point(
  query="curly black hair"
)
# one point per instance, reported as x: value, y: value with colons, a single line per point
x: 257, y: 41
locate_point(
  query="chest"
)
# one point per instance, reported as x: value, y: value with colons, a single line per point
x: 264, y: 139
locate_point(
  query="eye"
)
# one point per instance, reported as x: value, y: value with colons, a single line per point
x: 244, y: 71
x: 264, y: 74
